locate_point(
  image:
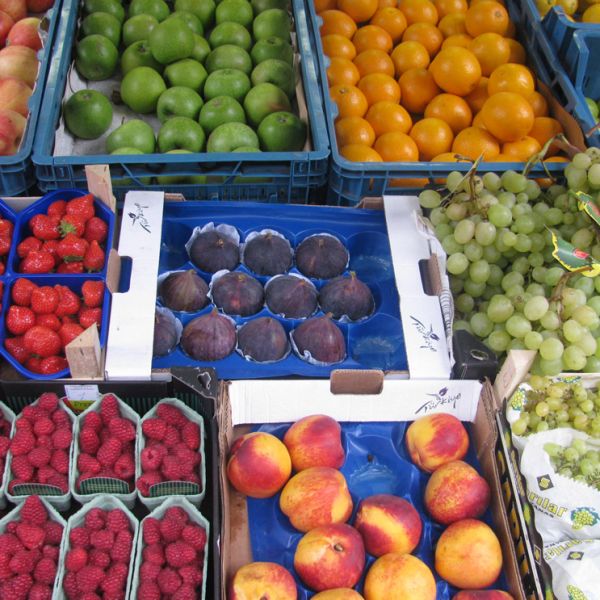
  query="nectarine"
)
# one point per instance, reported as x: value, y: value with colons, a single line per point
x: 262, y: 580
x: 25, y: 33
x: 20, y: 62
x: 338, y: 594
x: 482, y: 595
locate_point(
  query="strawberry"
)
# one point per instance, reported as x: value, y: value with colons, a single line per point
x: 195, y: 536
x: 170, y: 529
x: 72, y: 248
x: 60, y: 461
x: 51, y: 246
x: 45, y: 227
x: 28, y: 245
x: 154, y: 553
x: 37, y: 261
x: 93, y: 420
x: 109, y: 452
x: 49, y: 401
x: 190, y: 435
x: 82, y: 207
x: 21, y: 291
x: 151, y: 531
x: 44, y: 300
x: 44, y: 426
x: 99, y: 558
x: 148, y: 590
x: 54, y: 533
x: 19, y: 319
x: 96, y: 229
x: 16, y: 348
x: 89, y: 316
x: 57, y: 209
x: 31, y: 536
x: 95, y: 519
x: 68, y: 301
x: 89, y: 578
x: 71, y: 268
x: 72, y: 224
x: 94, y: 257
x: 93, y: 293
x: 122, y: 429
x: 42, y: 341
x: 121, y: 551
x: 6, y: 228
x: 53, y: 364
x: 168, y: 581
x: 45, y: 571
x: 50, y: 321
x: 4, y: 245
x: 79, y: 536
x: 179, y: 554
x: 103, y: 539
x: 89, y: 442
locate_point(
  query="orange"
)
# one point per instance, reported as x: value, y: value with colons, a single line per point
x: 446, y: 7
x: 487, y: 16
x: 478, y: 121
x: 511, y: 78
x: 547, y: 182
x: 507, y: 116
x: 452, y: 24
x: 359, y: 153
x: 354, y: 130
x: 462, y: 40
x: 473, y: 142
x: 478, y: 96
x: 522, y: 149
x: 359, y: 10
x: 417, y: 90
x: 452, y: 109
x: 424, y: 33
x: 517, y: 52
x: 511, y: 30
x: 388, y: 116
x: 545, y: 128
x: 374, y: 61
x: 419, y: 11
x: 491, y: 50
x: 446, y: 157
x: 351, y: 102
x: 378, y: 87
x: 396, y: 146
x: 432, y: 136
x: 392, y: 20
x: 386, y: 4
x: 342, y: 71
x: 409, y: 55
x: 591, y: 14
x: 456, y: 70
x: 336, y: 21
x: 321, y: 5
x: 503, y: 158
x: 539, y: 104
x: 335, y: 44
x: 372, y: 37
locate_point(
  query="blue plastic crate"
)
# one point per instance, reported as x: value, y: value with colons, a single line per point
x: 271, y: 177
x: 16, y: 172
x: 7, y: 213
x: 349, y: 181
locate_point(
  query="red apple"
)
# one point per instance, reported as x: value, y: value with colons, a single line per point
x: 39, y: 6
x: 6, y: 23
x: 12, y: 126
x: 17, y: 9
x: 25, y: 33
x: 14, y: 95
x: 20, y: 62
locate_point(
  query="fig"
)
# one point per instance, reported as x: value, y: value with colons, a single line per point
x: 268, y: 254
x: 209, y: 337
x: 321, y: 257
x: 184, y: 291
x: 213, y: 251
x: 238, y: 294
x: 322, y: 338
x: 346, y: 295
x: 263, y: 340
x: 292, y: 297
x: 165, y: 334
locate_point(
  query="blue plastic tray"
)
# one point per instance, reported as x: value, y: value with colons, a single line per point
x: 7, y: 213
x: 349, y: 181
x: 16, y: 172
x: 376, y: 463
x: 287, y: 176
x: 376, y: 342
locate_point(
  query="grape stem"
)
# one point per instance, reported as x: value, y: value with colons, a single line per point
x: 562, y: 142
x: 468, y: 176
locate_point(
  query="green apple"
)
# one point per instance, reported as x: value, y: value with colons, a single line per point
x: 203, y: 9
x: 227, y: 82
x: 272, y: 47
x: 229, y: 57
x: 168, y: 180
x: 88, y: 114
x: 183, y: 133
x: 219, y: 110
x: 138, y: 28
x: 191, y: 20
x: 201, y: 49
x: 237, y: 11
x: 132, y: 134
x: 103, y: 24
x: 229, y: 136
x: 128, y: 181
x: 178, y: 101
x: 171, y: 40
x: 141, y: 88
x: 272, y: 22
x: 139, y: 55
x: 282, y: 132
x: 96, y: 57
x: 593, y: 108
x: 230, y: 33
x: 186, y: 73
x: 156, y: 8
x: 261, y: 5
x: 112, y: 7
x: 264, y: 99
x: 277, y: 72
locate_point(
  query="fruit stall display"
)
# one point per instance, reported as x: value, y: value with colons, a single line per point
x: 205, y: 100
x: 27, y: 30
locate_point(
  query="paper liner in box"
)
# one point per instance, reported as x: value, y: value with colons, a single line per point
x: 9, y: 415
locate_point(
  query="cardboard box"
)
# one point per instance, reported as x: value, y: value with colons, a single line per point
x: 244, y: 403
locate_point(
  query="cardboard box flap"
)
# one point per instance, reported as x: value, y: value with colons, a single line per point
x: 513, y: 372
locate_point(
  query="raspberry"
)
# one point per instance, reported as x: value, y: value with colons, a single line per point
x: 33, y: 511
x: 99, y: 558
x: 171, y: 528
x: 95, y: 519
x: 171, y: 468
x: 125, y: 467
x: 149, y: 571
x: 54, y: 532
x: 23, y: 561
x: 40, y: 591
x: 60, y: 482
x: 62, y: 438
x: 154, y: 553
x: 22, y: 442
x: 61, y: 418
x: 70, y: 585
x: 79, y: 536
x: 12, y: 527
x: 88, y: 464
x: 31, y: 536
x: 179, y: 554
x: 22, y: 468
x: 151, y: 530
x: 116, y: 520
x: 40, y: 456
x: 33, y: 413
x: 190, y: 434
x: 48, y: 401
x: 191, y: 575
x: 45, y: 571
x: 60, y: 461
x: 121, y: 550
x: 109, y: 408
x: 10, y: 543
x: 171, y: 414
x: 187, y: 458
x: 4, y: 446
x: 23, y: 424
x: 44, y: 426
x: 93, y: 421
x: 17, y: 588
x: 51, y: 552
x: 185, y: 592
x: 172, y: 437
x: 90, y: 596
x: 151, y: 457
x: 168, y: 581
x: 148, y: 590
x: 76, y: 559
x: 89, y: 442
x: 147, y: 480
x: 109, y: 452
x: 45, y: 474
x: 122, y: 429
x: 13, y: 484
x: 5, y: 572
x: 44, y: 441
x: 115, y: 579
x: 154, y: 429
x: 89, y: 578
x: 195, y: 536
x: 177, y: 514
x: 102, y: 540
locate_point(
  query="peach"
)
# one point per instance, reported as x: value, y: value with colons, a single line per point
x: 338, y: 594
x: 20, y: 62
x: 262, y: 580
x: 315, y: 497
x: 435, y: 440
x: 315, y: 441
x: 14, y: 95
x: 482, y: 595
x: 468, y: 555
x: 39, y: 6
x: 259, y: 465
x: 456, y: 491
x: 330, y: 557
x: 388, y: 524
x: 17, y: 9
x: 12, y: 127
x: 25, y: 33
x: 401, y: 577
x: 6, y: 24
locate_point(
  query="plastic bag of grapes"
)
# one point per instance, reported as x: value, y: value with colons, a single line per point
x: 562, y: 472
x: 575, y: 568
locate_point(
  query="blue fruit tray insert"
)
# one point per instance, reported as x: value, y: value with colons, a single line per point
x: 377, y: 462
x: 373, y: 342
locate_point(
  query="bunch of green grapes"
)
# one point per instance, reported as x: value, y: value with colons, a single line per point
x: 579, y: 461
x: 496, y: 233
x: 550, y: 404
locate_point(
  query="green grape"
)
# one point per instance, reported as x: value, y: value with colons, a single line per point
x: 485, y: 233
x: 594, y: 303
x: 592, y: 365
x: 582, y: 238
x: 518, y: 326
x: 581, y: 161
x: 523, y: 243
x: 442, y: 230
x: 521, y: 265
x: 553, y: 217
x: 524, y: 224
x: 539, y: 274
x: 496, y: 275
x: 457, y: 263
x: 597, y: 284
x: 550, y: 321
x: 568, y: 219
x: 538, y: 242
x: 500, y: 215
x: 518, y: 210
x: 500, y: 309
x: 450, y: 245
x: 553, y: 450
x: 456, y: 211
x: 587, y: 406
x: 579, y: 446
x: 438, y: 216
x: 456, y: 283
x: 523, y: 198
x: 473, y: 251
x: 498, y: 341
x: 491, y: 291
x: 551, y: 349
x: 562, y: 416
x: 587, y: 343
x: 479, y: 271
x: 536, y: 259
x: 474, y: 289
x: 586, y: 285
x: 551, y: 367
x: 573, y: 298
x: 586, y: 467
x: 586, y: 316
x: 594, y: 176
x: 565, y: 472
x: 555, y: 190
x: 537, y: 382
x: 511, y: 279
x: 509, y: 238
x: 461, y: 325
x: 454, y: 180
x: 519, y: 427
x: 535, y: 289
x: 464, y: 303
x: 517, y: 294
x: 491, y: 254
x: 576, y: 178
x: 481, y: 325
x: 513, y: 182
x: 516, y: 344
x: 572, y: 330
x: 542, y: 426
x: 464, y: 232
x: 571, y: 454
x: 580, y: 421
x: 492, y: 182
x: 536, y: 308
x: 541, y: 207
x: 429, y: 199
x: 507, y: 199
x: 532, y: 189
x: 533, y: 340
x: 574, y: 358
